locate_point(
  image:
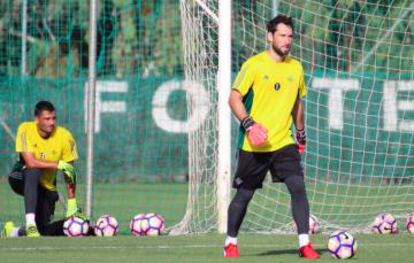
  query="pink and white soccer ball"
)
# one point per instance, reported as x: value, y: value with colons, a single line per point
x: 385, y: 223
x: 410, y: 223
x: 147, y: 225
x: 106, y: 226
x: 342, y: 245
x: 75, y: 227
x: 313, y: 225
x: 135, y: 225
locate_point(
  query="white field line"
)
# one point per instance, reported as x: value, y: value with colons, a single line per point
x: 201, y: 246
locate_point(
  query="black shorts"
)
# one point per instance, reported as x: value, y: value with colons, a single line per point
x: 253, y: 167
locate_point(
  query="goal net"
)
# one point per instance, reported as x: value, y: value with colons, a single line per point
x: 359, y: 67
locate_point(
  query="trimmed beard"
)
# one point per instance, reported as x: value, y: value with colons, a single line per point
x: 280, y: 52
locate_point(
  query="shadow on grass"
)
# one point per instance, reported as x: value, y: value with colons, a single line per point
x: 287, y: 252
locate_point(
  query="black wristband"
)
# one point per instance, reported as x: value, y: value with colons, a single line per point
x: 301, y: 133
x: 247, y: 122
x: 301, y: 136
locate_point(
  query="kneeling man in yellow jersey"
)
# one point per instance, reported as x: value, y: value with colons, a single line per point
x: 43, y: 147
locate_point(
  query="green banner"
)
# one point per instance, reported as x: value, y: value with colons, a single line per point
x: 357, y: 127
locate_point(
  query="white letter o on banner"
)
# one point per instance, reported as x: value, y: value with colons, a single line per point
x: 199, y: 101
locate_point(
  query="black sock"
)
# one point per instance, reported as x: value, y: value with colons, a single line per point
x: 31, y: 184
x: 237, y: 210
x: 299, y: 202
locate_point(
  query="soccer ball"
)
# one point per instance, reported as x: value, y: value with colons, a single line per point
x: 410, y: 223
x: 147, y: 225
x: 135, y: 225
x: 75, y: 227
x: 342, y: 245
x: 313, y: 225
x: 385, y: 224
x: 106, y: 226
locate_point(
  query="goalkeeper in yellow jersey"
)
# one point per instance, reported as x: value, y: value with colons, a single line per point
x: 267, y: 99
x: 43, y: 148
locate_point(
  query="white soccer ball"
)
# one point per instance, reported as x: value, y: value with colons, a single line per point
x: 410, y: 223
x: 313, y: 225
x: 106, y: 226
x: 75, y: 227
x: 385, y: 223
x: 147, y: 225
x: 342, y: 245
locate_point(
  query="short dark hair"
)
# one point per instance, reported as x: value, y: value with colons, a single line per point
x: 279, y: 19
x: 43, y: 105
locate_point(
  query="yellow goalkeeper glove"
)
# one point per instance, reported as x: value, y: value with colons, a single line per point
x: 68, y: 171
x: 73, y: 209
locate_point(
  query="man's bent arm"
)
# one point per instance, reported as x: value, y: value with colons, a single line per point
x: 71, y: 188
x: 31, y: 162
x: 298, y: 114
x: 236, y: 105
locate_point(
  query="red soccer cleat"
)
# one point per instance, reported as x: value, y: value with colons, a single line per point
x: 308, y: 252
x: 231, y: 251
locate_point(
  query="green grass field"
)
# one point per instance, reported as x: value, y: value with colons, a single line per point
x: 195, y: 248
x: 127, y: 199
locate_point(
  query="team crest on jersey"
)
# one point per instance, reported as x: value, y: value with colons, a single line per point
x: 277, y: 86
x: 42, y: 155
